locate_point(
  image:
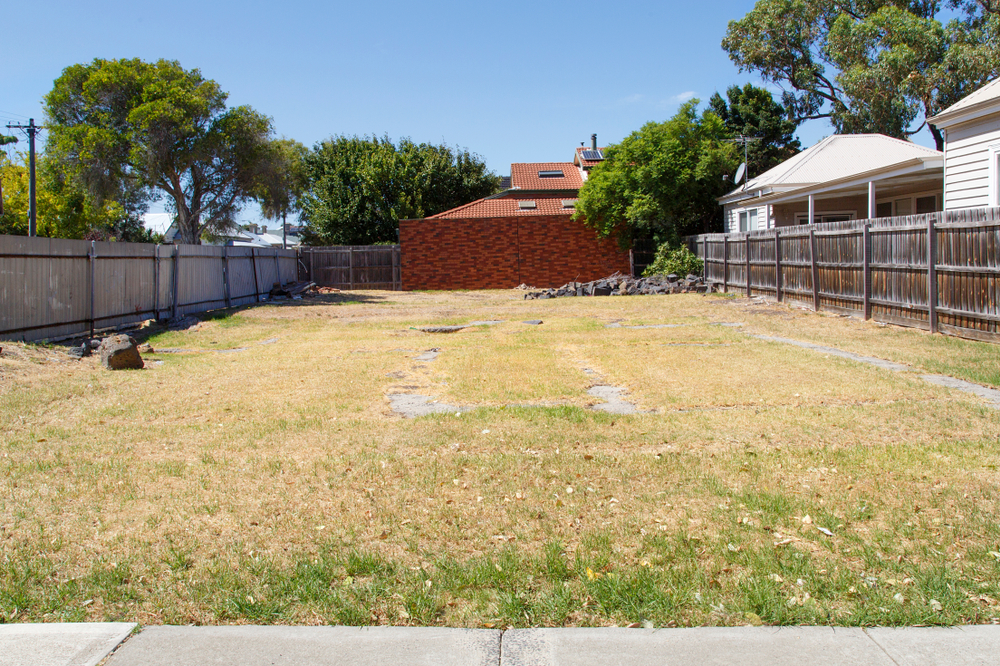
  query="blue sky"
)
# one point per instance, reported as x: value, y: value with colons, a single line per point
x: 514, y: 81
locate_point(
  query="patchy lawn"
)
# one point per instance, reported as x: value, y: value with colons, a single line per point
x: 258, y: 473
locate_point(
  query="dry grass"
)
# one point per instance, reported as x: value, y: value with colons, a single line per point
x: 274, y: 484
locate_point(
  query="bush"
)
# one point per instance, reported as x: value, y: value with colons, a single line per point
x: 678, y: 260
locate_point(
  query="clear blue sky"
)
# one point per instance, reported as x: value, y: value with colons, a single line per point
x: 513, y: 81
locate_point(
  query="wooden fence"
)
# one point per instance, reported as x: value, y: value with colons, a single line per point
x: 939, y: 271
x: 353, y: 266
x: 52, y: 288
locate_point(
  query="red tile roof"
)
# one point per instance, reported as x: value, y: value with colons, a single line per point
x: 586, y: 164
x: 525, y: 176
x: 506, y: 205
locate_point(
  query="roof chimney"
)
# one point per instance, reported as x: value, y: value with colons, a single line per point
x: 593, y: 142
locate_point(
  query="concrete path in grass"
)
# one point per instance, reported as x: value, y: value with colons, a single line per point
x: 76, y: 644
x: 990, y: 395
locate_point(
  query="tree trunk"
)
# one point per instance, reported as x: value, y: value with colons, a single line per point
x: 938, y: 137
x: 188, y: 226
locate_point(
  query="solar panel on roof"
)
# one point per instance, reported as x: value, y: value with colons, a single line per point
x: 593, y: 155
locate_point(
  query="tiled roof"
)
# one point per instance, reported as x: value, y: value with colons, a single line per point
x: 525, y: 176
x: 507, y: 205
x: 586, y: 164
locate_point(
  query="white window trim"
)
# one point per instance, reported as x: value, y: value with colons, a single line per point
x: 994, y: 171
x: 938, y: 194
x: 802, y: 218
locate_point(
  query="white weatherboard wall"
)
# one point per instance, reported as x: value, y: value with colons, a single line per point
x: 970, y: 169
x: 733, y: 211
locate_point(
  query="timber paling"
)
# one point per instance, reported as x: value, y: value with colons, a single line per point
x: 938, y: 271
x: 353, y: 266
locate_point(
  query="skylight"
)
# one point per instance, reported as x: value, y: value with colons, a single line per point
x: 550, y: 174
x: 569, y: 203
x: 526, y: 205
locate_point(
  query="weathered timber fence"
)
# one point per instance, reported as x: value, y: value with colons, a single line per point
x: 353, y: 266
x: 939, y: 271
x: 52, y: 287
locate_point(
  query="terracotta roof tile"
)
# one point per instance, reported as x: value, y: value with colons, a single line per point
x: 508, y: 205
x: 586, y: 164
x: 525, y: 176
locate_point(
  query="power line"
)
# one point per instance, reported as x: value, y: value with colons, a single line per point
x: 31, y: 129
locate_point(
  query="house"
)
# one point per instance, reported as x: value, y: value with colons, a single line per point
x: 843, y: 177
x: 971, y: 131
x: 523, y: 235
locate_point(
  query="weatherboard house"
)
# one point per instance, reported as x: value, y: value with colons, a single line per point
x: 525, y: 234
x: 843, y: 177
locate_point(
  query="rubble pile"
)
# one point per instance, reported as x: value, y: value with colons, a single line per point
x: 623, y: 285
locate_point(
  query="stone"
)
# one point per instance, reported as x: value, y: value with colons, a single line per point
x: 79, y: 352
x: 146, y: 348
x: 120, y: 352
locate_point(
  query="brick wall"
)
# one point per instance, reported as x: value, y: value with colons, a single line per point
x: 500, y: 253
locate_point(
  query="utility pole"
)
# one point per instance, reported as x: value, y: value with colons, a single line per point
x: 31, y: 129
x: 745, y: 140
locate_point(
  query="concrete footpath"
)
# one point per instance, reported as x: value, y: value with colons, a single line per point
x: 89, y: 644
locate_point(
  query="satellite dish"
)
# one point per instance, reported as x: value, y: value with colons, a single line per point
x: 739, y: 173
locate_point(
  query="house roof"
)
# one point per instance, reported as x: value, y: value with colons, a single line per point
x: 834, y: 158
x: 981, y: 101
x: 507, y: 204
x: 525, y: 176
x: 586, y: 164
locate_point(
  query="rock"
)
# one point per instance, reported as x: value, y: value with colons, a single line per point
x: 146, y: 348
x: 120, y: 352
x: 79, y: 352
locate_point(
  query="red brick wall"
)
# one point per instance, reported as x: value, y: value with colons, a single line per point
x: 500, y: 253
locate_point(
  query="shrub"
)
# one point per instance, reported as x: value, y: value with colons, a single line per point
x: 679, y: 260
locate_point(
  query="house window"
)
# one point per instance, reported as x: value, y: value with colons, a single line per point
x: 743, y: 220
x: 550, y: 174
x: 752, y: 223
x: 883, y: 209
x: 830, y: 216
x: 926, y: 204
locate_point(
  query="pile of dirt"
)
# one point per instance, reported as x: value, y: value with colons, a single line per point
x: 622, y: 285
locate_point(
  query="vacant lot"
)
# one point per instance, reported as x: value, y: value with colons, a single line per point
x: 260, y: 474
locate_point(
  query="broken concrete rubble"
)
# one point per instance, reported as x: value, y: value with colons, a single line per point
x: 623, y: 285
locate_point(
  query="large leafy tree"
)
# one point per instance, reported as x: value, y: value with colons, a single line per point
x: 360, y: 187
x: 751, y: 111
x: 132, y: 130
x: 282, y: 183
x: 869, y: 65
x: 661, y: 181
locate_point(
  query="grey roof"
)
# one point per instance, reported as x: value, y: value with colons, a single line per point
x: 835, y: 157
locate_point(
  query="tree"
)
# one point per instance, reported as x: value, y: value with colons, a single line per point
x: 128, y: 129
x: 752, y: 112
x: 662, y: 180
x: 282, y: 183
x: 360, y: 187
x: 869, y: 65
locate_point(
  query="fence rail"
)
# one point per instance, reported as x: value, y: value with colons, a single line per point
x: 353, y: 266
x: 51, y: 287
x: 939, y: 271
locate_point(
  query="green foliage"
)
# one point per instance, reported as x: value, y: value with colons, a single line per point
x: 62, y: 211
x: 662, y: 180
x: 283, y: 180
x: 751, y: 111
x: 677, y: 260
x: 872, y: 66
x: 359, y: 188
x: 128, y: 131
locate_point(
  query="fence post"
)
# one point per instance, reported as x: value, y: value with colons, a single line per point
x: 156, y: 282
x: 725, y: 264
x: 350, y: 269
x: 815, y: 270
x: 92, y: 255
x: 704, y: 255
x: 777, y: 265
x: 225, y: 275
x: 748, y: 263
x: 256, y: 282
x: 312, y: 263
x: 866, y: 251
x: 175, y: 276
x: 932, y: 291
